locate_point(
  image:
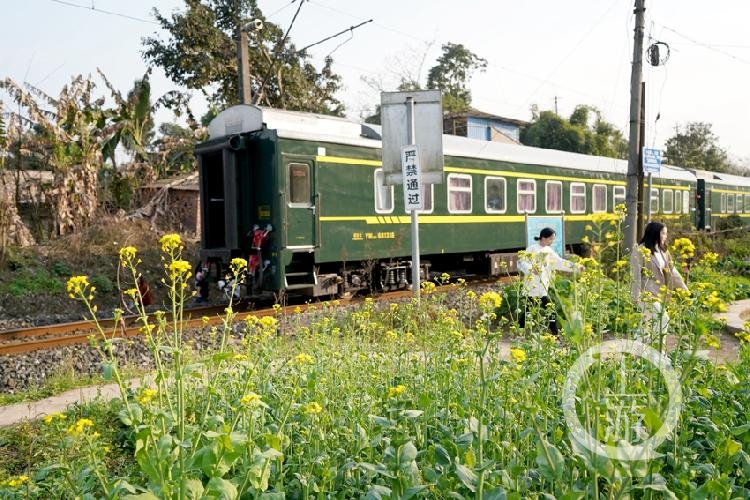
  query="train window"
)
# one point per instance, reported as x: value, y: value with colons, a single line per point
x: 723, y: 203
x: 738, y: 203
x: 747, y: 203
x: 730, y: 204
x: 667, y: 201
x: 553, y: 196
x: 526, y: 196
x: 299, y: 183
x: 677, y: 202
x: 494, y: 194
x: 428, y: 192
x: 618, y: 195
x: 686, y: 202
x: 383, y: 194
x: 599, y: 198
x: 577, y: 197
x: 459, y: 193
x: 654, y: 207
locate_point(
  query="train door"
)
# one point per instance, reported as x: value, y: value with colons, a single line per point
x: 301, y: 203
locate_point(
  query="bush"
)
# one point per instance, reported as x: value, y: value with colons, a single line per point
x: 61, y: 269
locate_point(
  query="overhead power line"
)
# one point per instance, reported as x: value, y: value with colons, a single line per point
x: 706, y: 46
x: 102, y: 11
x: 350, y: 28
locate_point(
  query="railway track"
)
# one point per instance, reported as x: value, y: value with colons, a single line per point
x: 25, y: 340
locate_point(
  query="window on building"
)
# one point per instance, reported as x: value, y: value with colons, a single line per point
x: 553, y: 197
x: 526, y: 196
x: 618, y: 195
x: 577, y: 198
x: 459, y: 193
x: 598, y: 198
x: 495, y: 191
x: 667, y: 201
x: 383, y: 194
x: 299, y: 183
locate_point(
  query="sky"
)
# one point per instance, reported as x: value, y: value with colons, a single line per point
x: 547, y: 53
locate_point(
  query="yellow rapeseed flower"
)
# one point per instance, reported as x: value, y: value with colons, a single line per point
x: 170, y: 242
x: 16, y: 481
x: 312, y: 408
x: 518, y: 355
x: 179, y: 269
x: 238, y: 265
x: 396, y: 391
x: 684, y: 248
x: 268, y: 322
x: 710, y: 258
x: 52, y: 416
x: 251, y: 400
x: 78, y: 286
x: 127, y: 255
x: 713, y: 341
x: 146, y: 395
x: 489, y: 301
x: 304, y: 359
x: 78, y: 427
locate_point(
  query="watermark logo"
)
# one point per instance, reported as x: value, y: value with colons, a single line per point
x: 624, y: 402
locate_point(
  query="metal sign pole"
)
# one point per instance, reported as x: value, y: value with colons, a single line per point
x: 648, y: 213
x: 411, y: 128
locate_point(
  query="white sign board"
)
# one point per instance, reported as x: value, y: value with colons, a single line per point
x: 412, y: 175
x: 428, y: 133
x: 652, y: 161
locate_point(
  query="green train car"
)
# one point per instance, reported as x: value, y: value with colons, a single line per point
x: 723, y: 200
x: 302, y: 198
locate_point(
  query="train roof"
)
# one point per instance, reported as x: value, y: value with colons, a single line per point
x: 722, y: 178
x: 331, y: 129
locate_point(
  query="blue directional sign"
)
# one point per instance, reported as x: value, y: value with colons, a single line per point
x: 652, y: 160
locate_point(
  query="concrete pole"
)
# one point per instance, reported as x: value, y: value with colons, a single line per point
x: 631, y: 193
x: 243, y: 66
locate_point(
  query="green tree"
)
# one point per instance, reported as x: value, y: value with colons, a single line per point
x: 695, y: 146
x: 579, y: 133
x: 451, y: 75
x: 201, y: 53
x: 175, y: 145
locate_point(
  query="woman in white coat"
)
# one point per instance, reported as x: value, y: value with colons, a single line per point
x: 538, y: 264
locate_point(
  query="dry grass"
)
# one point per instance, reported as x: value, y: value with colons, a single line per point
x: 92, y: 252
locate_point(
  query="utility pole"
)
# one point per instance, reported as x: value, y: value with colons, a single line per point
x: 243, y: 65
x: 243, y: 58
x: 642, y: 198
x: 631, y: 193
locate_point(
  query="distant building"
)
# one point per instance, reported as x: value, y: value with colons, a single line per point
x: 476, y: 124
x: 181, y: 201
